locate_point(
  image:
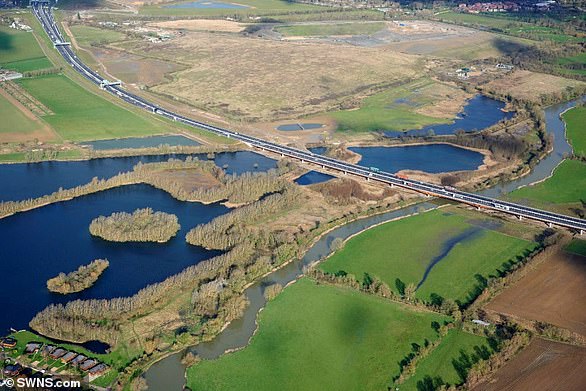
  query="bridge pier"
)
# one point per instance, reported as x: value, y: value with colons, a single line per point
x: 520, y: 217
x: 581, y: 232
x: 392, y: 186
x: 550, y: 225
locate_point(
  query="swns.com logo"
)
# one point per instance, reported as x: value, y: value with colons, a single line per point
x: 40, y: 383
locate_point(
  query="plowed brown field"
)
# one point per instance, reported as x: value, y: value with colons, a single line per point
x: 543, y: 365
x: 553, y: 292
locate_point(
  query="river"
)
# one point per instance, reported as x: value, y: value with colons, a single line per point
x: 169, y: 373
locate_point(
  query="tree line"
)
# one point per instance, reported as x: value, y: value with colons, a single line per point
x: 237, y: 189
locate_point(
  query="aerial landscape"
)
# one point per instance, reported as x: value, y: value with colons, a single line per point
x: 293, y: 195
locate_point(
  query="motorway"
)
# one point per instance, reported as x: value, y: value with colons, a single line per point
x: 43, y: 12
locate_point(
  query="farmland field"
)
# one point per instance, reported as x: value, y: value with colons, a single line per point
x: 549, y: 293
x: 460, y: 248
x: 440, y: 363
x: 20, y: 51
x: 575, y: 129
x: 245, y: 7
x: 81, y: 115
x: 509, y: 25
x: 316, y: 337
x: 565, y: 189
x: 331, y: 29
x: 410, y: 106
x: 577, y: 246
x: 314, y: 77
x: 543, y: 365
x: 14, y: 120
x: 88, y: 35
x: 528, y: 85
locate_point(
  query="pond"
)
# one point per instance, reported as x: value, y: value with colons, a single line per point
x: 207, y: 4
x: 31, y: 180
x: 312, y: 178
x: 299, y: 126
x: 43, y: 242
x: 480, y: 112
x: 140, y: 142
x: 432, y: 158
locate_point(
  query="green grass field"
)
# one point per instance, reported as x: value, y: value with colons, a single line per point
x: 320, y: 30
x: 20, y: 51
x: 81, y: 115
x: 440, y: 362
x: 403, y: 250
x: 574, y: 65
x: 575, y: 120
x: 254, y: 7
x: 510, y: 25
x: 13, y: 120
x: 566, y: 186
x: 577, y: 246
x: 393, y: 109
x: 88, y: 35
x: 320, y: 337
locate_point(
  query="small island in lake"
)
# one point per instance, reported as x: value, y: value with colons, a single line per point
x: 143, y: 225
x: 83, y: 278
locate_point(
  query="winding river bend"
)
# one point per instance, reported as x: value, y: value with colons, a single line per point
x: 169, y: 373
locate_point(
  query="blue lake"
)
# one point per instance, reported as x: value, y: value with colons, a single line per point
x: 313, y: 177
x: 480, y: 112
x: 30, y: 180
x: 140, y: 142
x: 299, y: 126
x: 207, y: 4
x: 40, y: 243
x: 434, y: 158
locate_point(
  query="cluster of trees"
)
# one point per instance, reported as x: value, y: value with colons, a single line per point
x: 96, y: 185
x: 507, y: 347
x: 143, y: 225
x: 239, y: 189
x: 227, y: 230
x: 84, y: 277
x: 100, y: 319
x: 345, y: 191
x: 163, y: 149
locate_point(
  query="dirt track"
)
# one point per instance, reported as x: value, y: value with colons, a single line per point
x: 543, y: 365
x: 553, y: 292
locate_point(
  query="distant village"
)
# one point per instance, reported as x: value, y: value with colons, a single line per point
x: 506, y: 6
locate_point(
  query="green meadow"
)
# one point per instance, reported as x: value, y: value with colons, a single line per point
x: 320, y: 337
x: 575, y: 120
x: 320, y: 30
x: 20, y: 51
x: 13, y: 120
x: 447, y: 361
x: 567, y: 185
x: 392, y: 109
x: 253, y: 7
x: 82, y: 115
x: 405, y: 248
